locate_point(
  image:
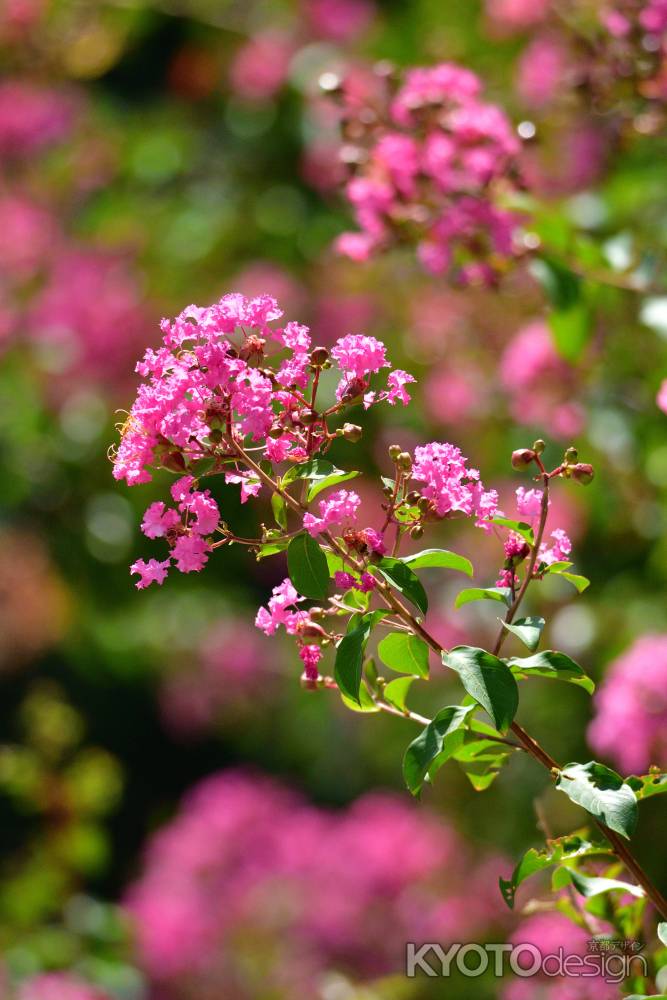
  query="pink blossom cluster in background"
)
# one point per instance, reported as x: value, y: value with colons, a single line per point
x: 630, y: 722
x: 59, y: 986
x: 33, y: 117
x: 539, y: 383
x: 249, y: 871
x: 427, y: 170
x: 553, y: 934
x: 212, y: 685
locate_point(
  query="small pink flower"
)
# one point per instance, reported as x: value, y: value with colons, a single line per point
x: 311, y: 656
x: 337, y: 510
x: 190, y: 553
x: 158, y: 520
x: 250, y: 484
x: 150, y: 572
x: 396, y: 382
x: 358, y: 355
x: 344, y: 581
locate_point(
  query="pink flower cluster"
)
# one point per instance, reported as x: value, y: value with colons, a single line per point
x: 209, y: 388
x: 32, y: 117
x: 58, y: 986
x: 431, y: 172
x: 556, y: 548
x: 554, y: 934
x: 451, y: 485
x: 539, y: 383
x: 185, y: 528
x: 249, y: 871
x: 208, y: 686
x: 203, y: 385
x: 630, y: 722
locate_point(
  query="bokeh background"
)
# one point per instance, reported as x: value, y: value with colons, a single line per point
x: 179, y: 819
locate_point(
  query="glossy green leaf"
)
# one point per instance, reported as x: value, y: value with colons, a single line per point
x: 528, y: 630
x: 404, y: 580
x: 365, y: 702
x: 481, y: 760
x: 271, y: 549
x: 348, y: 668
x: 434, y: 745
x: 502, y: 594
x: 580, y: 582
x: 554, y: 665
x: 519, y: 527
x: 396, y: 692
x: 321, y: 473
x: 488, y: 680
x: 588, y: 885
x: 555, y: 852
x: 307, y: 567
x: 438, y: 558
x: 603, y: 793
x: 558, y: 567
x: 279, y: 508
x: 405, y: 653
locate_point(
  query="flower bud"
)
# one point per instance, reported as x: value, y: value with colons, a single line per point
x: 404, y: 461
x: 583, y: 473
x: 522, y: 457
x: 317, y: 614
x: 352, y: 432
x: 539, y: 446
x: 412, y: 497
x: 394, y: 451
x: 571, y: 456
x: 416, y: 532
x: 318, y: 356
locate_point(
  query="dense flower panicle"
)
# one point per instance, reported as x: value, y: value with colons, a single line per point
x: 450, y: 484
x: 209, y: 388
x: 431, y: 171
x: 247, y: 860
x: 630, y: 722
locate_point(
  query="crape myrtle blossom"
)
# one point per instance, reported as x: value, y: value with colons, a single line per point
x: 59, y: 986
x: 630, y: 721
x: 430, y: 167
x: 232, y: 393
x: 232, y: 876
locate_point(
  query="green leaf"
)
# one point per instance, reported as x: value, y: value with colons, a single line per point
x: 438, y: 558
x: 321, y: 474
x: 307, y: 566
x: 646, y: 785
x: 488, y: 680
x: 662, y: 933
x: 271, y: 549
x: 481, y: 760
x: 580, y: 582
x: 570, y: 329
x: 562, y: 285
x: 589, y: 886
x: 405, y: 653
x: 502, y: 594
x: 434, y: 745
x: 404, y: 580
x: 555, y: 852
x: 552, y: 664
x: 558, y: 567
x: 520, y: 527
x: 348, y: 667
x: 528, y: 630
x: 365, y: 703
x: 279, y: 508
x: 603, y: 793
x: 396, y: 692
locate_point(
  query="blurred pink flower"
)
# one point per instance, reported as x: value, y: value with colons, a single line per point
x: 630, y: 722
x: 541, y: 71
x: 59, y: 986
x: 33, y: 117
x: 245, y: 859
x: 661, y: 398
x: 340, y: 20
x: 29, y: 233
x: 517, y: 14
x: 260, y: 66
